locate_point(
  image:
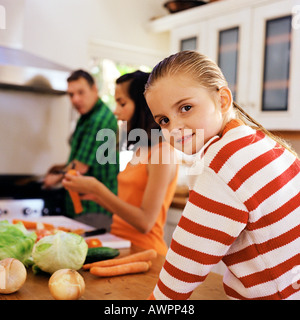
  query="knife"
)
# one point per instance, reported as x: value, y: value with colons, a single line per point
x: 93, y: 232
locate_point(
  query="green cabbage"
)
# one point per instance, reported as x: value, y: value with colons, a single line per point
x: 59, y: 251
x: 15, y: 241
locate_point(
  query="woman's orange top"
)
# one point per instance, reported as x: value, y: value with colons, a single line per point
x: 131, y: 187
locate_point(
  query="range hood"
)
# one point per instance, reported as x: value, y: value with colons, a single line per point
x: 21, y: 70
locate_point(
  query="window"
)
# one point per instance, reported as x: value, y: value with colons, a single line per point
x: 188, y: 44
x: 106, y: 72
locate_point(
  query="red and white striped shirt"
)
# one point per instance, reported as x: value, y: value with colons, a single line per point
x: 244, y: 209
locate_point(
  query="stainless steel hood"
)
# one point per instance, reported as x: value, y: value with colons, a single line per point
x: 21, y: 70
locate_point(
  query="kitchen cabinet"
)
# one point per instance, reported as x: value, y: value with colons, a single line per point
x: 275, y: 67
x: 229, y: 47
x: 188, y: 37
x: 256, y: 43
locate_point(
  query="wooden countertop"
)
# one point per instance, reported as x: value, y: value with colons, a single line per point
x: 179, y: 202
x: 128, y: 287
x: 180, y: 197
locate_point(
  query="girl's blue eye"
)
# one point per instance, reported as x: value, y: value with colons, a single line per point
x: 186, y: 108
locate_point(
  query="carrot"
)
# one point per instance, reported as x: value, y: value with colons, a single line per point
x: 128, y: 268
x: 33, y: 224
x: 48, y: 226
x: 78, y: 231
x: 135, y: 257
x: 62, y: 228
x: 27, y: 224
x: 75, y: 196
x: 42, y: 233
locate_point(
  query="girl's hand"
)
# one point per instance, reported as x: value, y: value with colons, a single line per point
x: 80, y: 184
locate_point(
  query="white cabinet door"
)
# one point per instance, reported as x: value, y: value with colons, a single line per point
x: 258, y: 50
x: 274, y: 90
x: 190, y: 37
x: 228, y: 45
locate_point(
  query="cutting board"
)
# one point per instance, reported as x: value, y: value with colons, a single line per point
x: 107, y: 239
x: 112, y: 241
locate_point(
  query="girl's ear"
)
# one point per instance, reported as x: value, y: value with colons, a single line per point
x: 226, y: 99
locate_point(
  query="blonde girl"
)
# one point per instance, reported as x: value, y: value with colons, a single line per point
x: 244, y: 206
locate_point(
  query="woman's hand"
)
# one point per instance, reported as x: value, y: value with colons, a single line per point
x: 81, y: 184
x: 89, y: 188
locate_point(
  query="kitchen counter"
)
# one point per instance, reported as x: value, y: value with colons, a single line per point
x: 128, y: 287
x: 180, y: 197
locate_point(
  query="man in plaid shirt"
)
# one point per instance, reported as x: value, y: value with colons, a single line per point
x: 95, y: 115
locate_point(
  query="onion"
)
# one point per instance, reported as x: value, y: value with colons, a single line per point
x: 66, y: 284
x: 12, y: 275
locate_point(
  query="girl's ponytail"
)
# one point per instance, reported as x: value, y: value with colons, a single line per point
x: 243, y: 115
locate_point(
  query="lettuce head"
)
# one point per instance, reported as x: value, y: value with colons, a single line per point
x: 59, y: 251
x: 15, y: 241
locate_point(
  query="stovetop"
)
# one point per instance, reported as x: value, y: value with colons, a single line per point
x: 17, y: 208
x: 23, y: 195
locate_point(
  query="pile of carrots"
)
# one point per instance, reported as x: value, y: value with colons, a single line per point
x: 134, y: 263
x: 44, y: 229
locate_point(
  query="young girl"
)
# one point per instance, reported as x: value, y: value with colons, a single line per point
x: 145, y: 188
x: 244, y: 207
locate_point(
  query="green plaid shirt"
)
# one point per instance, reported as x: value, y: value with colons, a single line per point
x: 84, y: 147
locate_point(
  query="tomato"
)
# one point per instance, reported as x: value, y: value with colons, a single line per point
x: 93, y: 243
x: 42, y: 233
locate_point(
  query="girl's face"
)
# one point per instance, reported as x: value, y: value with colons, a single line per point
x: 124, y: 105
x: 181, y: 106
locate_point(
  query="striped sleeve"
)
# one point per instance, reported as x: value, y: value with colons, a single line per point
x: 211, y: 221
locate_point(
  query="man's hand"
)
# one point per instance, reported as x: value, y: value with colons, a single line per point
x: 56, y: 173
x: 51, y: 180
x: 56, y: 168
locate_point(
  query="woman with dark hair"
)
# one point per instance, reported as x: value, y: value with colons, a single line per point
x: 132, y: 85
x: 147, y: 185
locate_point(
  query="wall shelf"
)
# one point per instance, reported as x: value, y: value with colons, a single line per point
x: 25, y: 88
